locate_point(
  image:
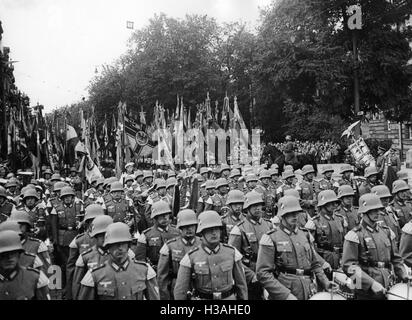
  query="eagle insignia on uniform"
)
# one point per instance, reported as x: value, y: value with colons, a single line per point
x: 105, y: 283
x: 200, y: 263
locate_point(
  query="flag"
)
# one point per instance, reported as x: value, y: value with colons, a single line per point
x: 71, y: 142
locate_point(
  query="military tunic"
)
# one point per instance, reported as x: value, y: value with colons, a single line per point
x: 308, y: 196
x: 351, y: 215
x: 405, y: 246
x: 403, y: 210
x: 229, y: 220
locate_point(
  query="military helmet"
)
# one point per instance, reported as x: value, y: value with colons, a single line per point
x: 308, y: 168
x: 208, y: 219
x: 116, y: 186
x: 252, y: 198
x: 47, y: 171
x: 345, y: 191
x: 288, y: 168
x: 210, y: 184
x: 234, y: 173
x: 381, y: 191
x: 399, y: 185
x: 160, y: 183
x: 10, y: 225
x: 235, y: 196
x: 274, y: 166
x: 203, y: 170
x: 3, y: 192
x: 94, y: 179
x: 291, y: 192
x: 55, y: 177
x: 251, y: 177
x: 59, y: 185
x: 288, y: 204
x: 345, y: 168
x: 100, y: 224
x: 223, y: 167
x: 327, y: 168
x: 92, y: 211
x: 128, y: 178
x: 129, y: 164
x: 10, y: 241
x: 186, y: 217
x: 20, y: 216
x: 171, y: 182
x: 111, y: 180
x: 30, y: 193
x: 171, y: 174
x: 369, y: 201
x: 402, y: 175
x: 147, y: 174
x: 160, y: 207
x: 326, y: 196
x: 99, y: 181
x: 138, y: 173
x: 11, y: 183
x: 117, y: 232
x: 369, y: 171
x: 221, y: 182
x: 274, y: 171
x: 288, y: 174
x: 264, y: 174
x: 67, y: 191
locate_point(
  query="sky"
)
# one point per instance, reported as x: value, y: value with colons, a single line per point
x: 59, y: 43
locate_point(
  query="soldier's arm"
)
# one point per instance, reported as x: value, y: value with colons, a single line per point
x: 79, y: 273
x: 70, y: 266
x: 140, y: 251
x: 42, y: 288
x: 163, y: 277
x: 235, y: 238
x: 317, y: 263
x: 405, y: 247
x: 184, y: 278
x: 396, y: 258
x: 265, y: 267
x: 152, y: 289
x: 239, y: 277
x: 43, y: 254
x: 87, y: 288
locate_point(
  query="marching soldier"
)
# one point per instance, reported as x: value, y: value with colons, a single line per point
x: 269, y: 197
x: 204, y: 172
x: 288, y: 177
x: 405, y: 246
x: 371, y: 175
x: 326, y: 183
x: 303, y: 217
x: 205, y: 202
x: 211, y: 271
x: 12, y: 188
x: 287, y: 262
x: 251, y: 182
x: 224, y: 171
x: 307, y: 190
x: 119, y: 208
x: 235, y: 201
x: 219, y: 198
x: 17, y: 282
x: 147, y: 180
x: 119, y: 277
x: 274, y: 174
x: 370, y: 252
x: 402, y: 207
x: 346, y: 209
x: 138, y: 180
x: 245, y: 237
x: 234, y: 179
x: 174, y: 250
x: 152, y: 239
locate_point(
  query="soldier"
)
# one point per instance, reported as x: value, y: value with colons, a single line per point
x: 245, y: 237
x: 152, y: 239
x: 128, y: 189
x: 286, y: 259
x: 405, y: 247
x: 119, y: 208
x: 371, y: 175
x: 274, y: 174
x: 81, y: 243
x: 6, y: 207
x: 268, y: 194
x: 92, y: 189
x: 303, y: 217
x: 402, y: 207
x: 251, y: 182
x: 174, y: 250
x: 235, y: 201
x: 380, y: 160
x: 204, y: 172
x: 55, y: 196
x: 211, y: 271
x: 403, y: 175
x: 138, y: 180
x: 12, y: 188
x: 219, y: 199
x: 16, y: 281
x: 326, y: 183
x: 119, y: 277
x: 205, y: 202
x: 307, y: 190
x: 388, y: 214
x: 346, y: 209
x: 331, y: 228
x: 129, y: 172
x: 288, y: 183
x: 393, y: 158
x: 224, y: 171
x: 107, y: 195
x: 147, y: 180
x: 370, y: 252
x: 234, y: 179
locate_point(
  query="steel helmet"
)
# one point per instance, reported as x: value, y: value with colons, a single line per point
x: 92, y: 211
x: 186, y: 217
x: 252, y: 198
x: 399, y: 185
x: 345, y: 168
x: 399, y: 291
x: 100, y: 181
x: 20, y: 216
x: 59, y: 185
x: 274, y: 166
x: 139, y: 173
x: 3, y: 192
x: 129, y: 164
x: 10, y: 225
x: 288, y: 168
x: 204, y: 170
x: 11, y: 183
x: 234, y: 173
x: 128, y: 178
x: 208, y: 219
x: 288, y: 204
x: 308, y: 168
x: 381, y: 191
x: 327, y: 168
x: 224, y: 167
x: 326, y: 196
x: 345, y: 191
x: 67, y: 191
x: 221, y: 182
x: 251, y: 177
x: 292, y: 192
x: 264, y: 174
x: 30, y: 193
x: 369, y: 201
x: 171, y: 182
x: 116, y: 186
x: 210, y: 184
x: 160, y: 207
x: 369, y: 171
x: 288, y: 174
x: 147, y: 174
x: 402, y: 175
x: 10, y: 241
x: 100, y: 224
x: 55, y: 177
x: 94, y: 179
x: 160, y: 183
x: 274, y: 171
x: 117, y: 232
x: 171, y: 174
x: 235, y: 196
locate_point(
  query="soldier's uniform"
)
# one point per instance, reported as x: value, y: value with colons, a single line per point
x: 390, y: 219
x: 403, y: 211
x: 229, y: 220
x: 121, y: 210
x: 308, y: 196
x: 325, y: 184
x: 350, y: 214
x: 219, y: 201
x: 6, y: 208
x: 37, y: 220
x: 38, y: 248
x: 405, y: 246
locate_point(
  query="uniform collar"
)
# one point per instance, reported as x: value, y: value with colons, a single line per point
x: 254, y: 221
x: 187, y: 243
x: 210, y: 251
x: 287, y: 230
x: 163, y: 229
x: 12, y: 275
x: 23, y: 241
x: 344, y: 208
x: 400, y: 202
x: 326, y: 215
x: 27, y: 209
x: 101, y: 251
x: 121, y: 267
x: 369, y: 227
x: 235, y: 217
x: 68, y: 206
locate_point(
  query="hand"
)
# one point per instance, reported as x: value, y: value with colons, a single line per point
x: 377, y: 288
x: 291, y: 297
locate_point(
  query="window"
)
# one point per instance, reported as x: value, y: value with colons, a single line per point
x: 408, y: 131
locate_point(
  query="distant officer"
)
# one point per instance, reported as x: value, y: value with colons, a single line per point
x: 346, y: 171
x: 287, y: 262
x: 119, y: 208
x: 152, y: 240
x: 211, y: 271
x: 346, y: 209
x: 119, y: 277
x: 288, y: 178
x: 371, y: 175
x: 245, y: 237
x: 17, y: 282
x: 6, y: 206
x: 219, y: 198
x: 402, y: 207
x: 251, y: 182
x: 268, y: 194
x: 205, y: 202
x: 330, y: 228
x: 174, y: 250
x: 370, y: 252
x: 326, y: 183
x: 388, y: 214
x: 235, y: 201
x: 307, y: 190
x: 234, y: 179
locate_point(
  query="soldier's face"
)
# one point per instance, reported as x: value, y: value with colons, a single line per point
x: 149, y: 180
x: 100, y: 187
x: 275, y: 177
x: 99, y: 240
x: 310, y: 176
x: 291, y: 219
x: 225, y: 173
x: 386, y: 201
x: 117, y: 195
x: 331, y: 206
x: 403, y: 195
x: 346, y: 175
x: 328, y: 174
x: 118, y: 251
x: 68, y: 200
x: 139, y: 180
x: 347, y: 201
x: 265, y: 181
x: 188, y: 232
x: 256, y: 210
x: 129, y: 183
x: 163, y: 220
x: 212, y: 236
x: 161, y: 191
x: 47, y: 176
x: 372, y: 215
x: 9, y: 260
x: 129, y: 169
x: 237, y: 208
x: 373, y: 178
x: 252, y: 184
x: 210, y: 192
x: 30, y: 202
x: 224, y: 189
